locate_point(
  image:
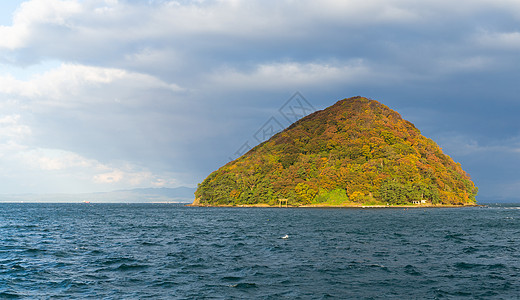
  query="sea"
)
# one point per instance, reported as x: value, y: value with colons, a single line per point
x: 170, y: 251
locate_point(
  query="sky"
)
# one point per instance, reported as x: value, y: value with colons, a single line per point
x: 101, y: 95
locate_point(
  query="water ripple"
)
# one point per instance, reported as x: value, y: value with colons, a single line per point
x: 164, y: 251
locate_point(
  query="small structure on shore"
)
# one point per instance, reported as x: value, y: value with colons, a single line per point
x: 280, y: 201
x: 419, y: 201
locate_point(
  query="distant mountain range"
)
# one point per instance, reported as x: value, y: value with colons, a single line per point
x: 139, y: 195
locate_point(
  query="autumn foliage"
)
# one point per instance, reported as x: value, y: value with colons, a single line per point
x: 357, y: 151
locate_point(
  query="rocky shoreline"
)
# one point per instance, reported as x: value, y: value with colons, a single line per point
x: 338, y: 206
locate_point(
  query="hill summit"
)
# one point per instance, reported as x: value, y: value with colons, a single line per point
x: 355, y: 152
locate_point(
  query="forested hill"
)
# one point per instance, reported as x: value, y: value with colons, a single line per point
x: 357, y: 151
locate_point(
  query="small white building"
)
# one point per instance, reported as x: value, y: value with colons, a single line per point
x: 419, y: 201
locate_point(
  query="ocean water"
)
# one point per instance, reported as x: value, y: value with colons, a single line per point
x: 169, y: 251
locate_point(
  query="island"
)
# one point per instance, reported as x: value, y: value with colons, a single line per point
x: 355, y: 153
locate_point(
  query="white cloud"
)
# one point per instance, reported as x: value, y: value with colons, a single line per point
x: 99, y: 23
x: 133, y: 178
x: 129, y: 175
x: 32, y: 14
x: 103, y: 30
x: 72, y: 83
x: 499, y: 40
x: 362, y: 11
x: 109, y: 177
x: 13, y: 133
x: 60, y: 169
x: 148, y: 57
x: 466, y: 64
x: 55, y: 160
x: 289, y: 76
x: 465, y: 145
x: 188, y: 39
x: 102, y: 107
x: 11, y: 128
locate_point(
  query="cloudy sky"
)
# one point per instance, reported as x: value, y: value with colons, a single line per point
x: 103, y: 95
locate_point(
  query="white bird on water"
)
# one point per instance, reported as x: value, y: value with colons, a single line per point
x: 285, y: 236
